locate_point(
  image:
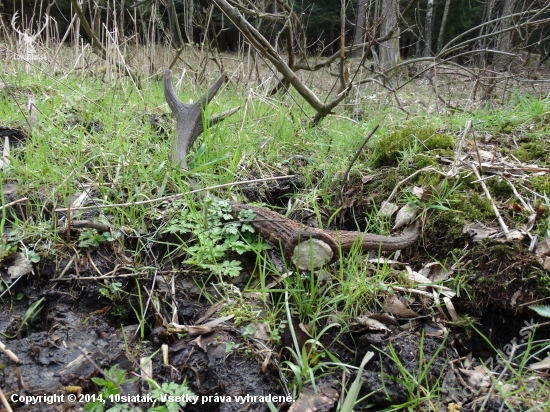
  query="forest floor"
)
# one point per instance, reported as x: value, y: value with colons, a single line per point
x: 120, y: 285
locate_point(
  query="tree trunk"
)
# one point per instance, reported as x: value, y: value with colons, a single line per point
x: 188, y: 20
x: 505, y: 39
x: 428, y: 29
x: 441, y: 38
x: 389, y: 49
x: 359, y: 27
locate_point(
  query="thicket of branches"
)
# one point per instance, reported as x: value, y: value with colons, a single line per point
x: 357, y: 41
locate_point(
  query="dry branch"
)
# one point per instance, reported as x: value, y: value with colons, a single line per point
x: 262, y: 45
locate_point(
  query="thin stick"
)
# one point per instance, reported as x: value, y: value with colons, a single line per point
x: 497, y: 380
x: 533, y: 301
x: 10, y: 354
x: 346, y: 175
x: 495, y: 209
x: 520, y: 198
x: 161, y: 199
x: 23, y: 199
x: 465, y: 133
x: 67, y: 267
x: 126, y: 275
x: 424, y: 169
x: 93, y: 264
x: 5, y: 401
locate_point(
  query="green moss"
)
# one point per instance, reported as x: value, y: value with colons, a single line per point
x: 541, y: 184
x: 422, y: 160
x: 440, y: 141
x: 389, y: 148
x: 473, y: 206
x: 499, y: 188
x: 533, y: 151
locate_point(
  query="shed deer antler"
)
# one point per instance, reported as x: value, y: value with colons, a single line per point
x: 189, y: 117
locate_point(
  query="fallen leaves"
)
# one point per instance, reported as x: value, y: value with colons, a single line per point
x: 14, y: 266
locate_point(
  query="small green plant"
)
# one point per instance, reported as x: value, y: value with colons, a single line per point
x: 120, y: 311
x: 307, y: 363
x: 418, y: 384
x: 214, y: 234
x: 173, y: 395
x: 90, y: 238
x: 441, y: 198
x: 109, y: 384
x: 112, y: 291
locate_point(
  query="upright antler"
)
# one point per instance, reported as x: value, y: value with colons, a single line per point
x: 189, y: 117
x: 28, y: 37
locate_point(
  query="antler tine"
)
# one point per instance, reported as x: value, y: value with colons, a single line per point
x: 13, y: 23
x: 205, y: 98
x: 176, y: 105
x: 46, y: 21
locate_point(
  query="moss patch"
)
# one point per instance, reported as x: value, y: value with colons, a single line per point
x: 389, y: 148
x: 541, y: 184
x: 536, y: 150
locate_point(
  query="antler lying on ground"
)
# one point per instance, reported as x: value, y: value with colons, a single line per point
x: 325, y: 244
x: 189, y: 117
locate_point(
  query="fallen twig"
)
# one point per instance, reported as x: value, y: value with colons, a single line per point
x: 5, y: 401
x: 177, y: 196
x: 10, y: 354
x: 23, y: 199
x: 495, y: 209
x: 454, y: 168
x: 346, y: 175
x: 88, y: 224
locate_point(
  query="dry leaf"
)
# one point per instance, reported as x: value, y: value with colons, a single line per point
x: 372, y: 324
x: 436, y: 272
x: 5, y: 160
x: 514, y: 234
x: 541, y: 210
x: 387, y: 209
x: 478, y: 378
x: 543, y: 248
x: 451, y: 309
x: 435, y: 330
x: 396, y: 307
x: 405, y: 215
x: 478, y: 231
x: 369, y: 178
x: 308, y: 401
x: 418, y: 278
x: 418, y: 191
x: 261, y: 331
x: 453, y: 407
x: 14, y: 266
x: 516, y: 207
x: 544, y: 364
